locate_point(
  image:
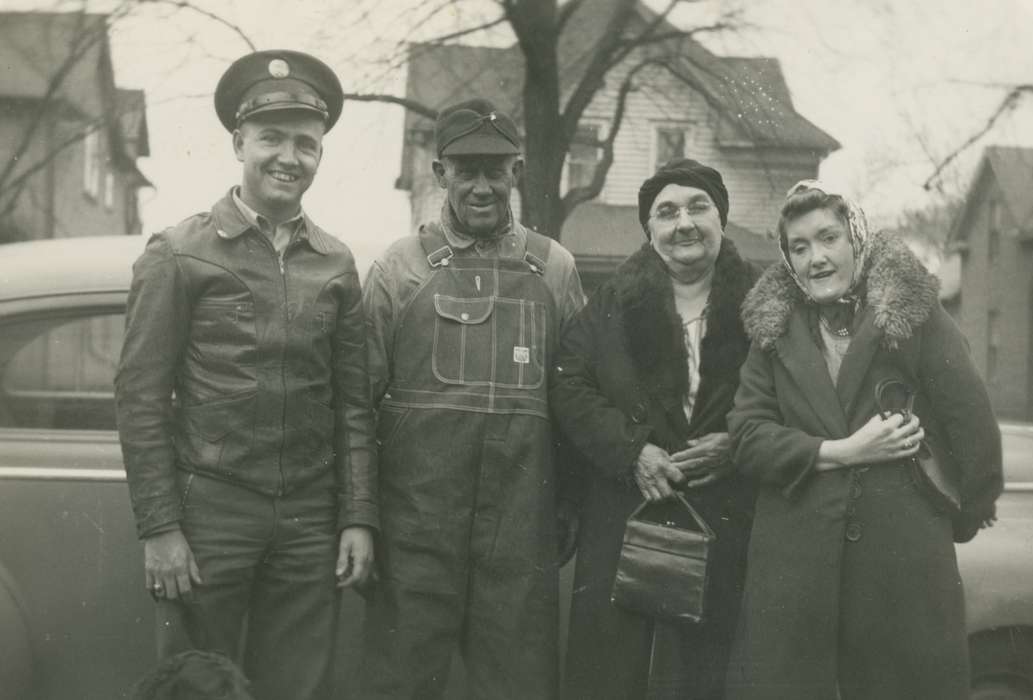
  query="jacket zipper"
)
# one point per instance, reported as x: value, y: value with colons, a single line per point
x: 281, y: 264
x: 282, y: 259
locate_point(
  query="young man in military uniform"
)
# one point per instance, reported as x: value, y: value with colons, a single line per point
x: 464, y: 318
x: 243, y: 399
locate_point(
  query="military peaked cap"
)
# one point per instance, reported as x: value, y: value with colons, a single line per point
x: 269, y: 81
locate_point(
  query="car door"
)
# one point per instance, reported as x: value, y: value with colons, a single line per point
x: 72, y: 561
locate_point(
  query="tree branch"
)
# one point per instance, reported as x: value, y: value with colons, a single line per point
x: 600, y: 63
x: 185, y: 5
x: 85, y: 38
x: 13, y: 188
x: 564, y: 14
x: 501, y: 19
x: 577, y: 195
x: 730, y: 22
x: 1010, y: 102
x: 411, y: 105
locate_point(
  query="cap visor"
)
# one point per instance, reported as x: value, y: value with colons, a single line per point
x: 286, y: 106
x: 480, y: 144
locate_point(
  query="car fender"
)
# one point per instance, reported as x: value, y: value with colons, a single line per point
x: 997, y: 566
x: 17, y: 669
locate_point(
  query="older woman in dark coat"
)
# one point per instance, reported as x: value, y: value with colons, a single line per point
x: 852, y: 586
x: 646, y: 375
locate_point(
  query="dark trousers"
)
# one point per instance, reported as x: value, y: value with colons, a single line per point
x: 467, y: 561
x: 267, y: 562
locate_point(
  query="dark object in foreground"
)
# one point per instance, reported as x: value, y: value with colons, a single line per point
x: 662, y: 571
x: 194, y: 675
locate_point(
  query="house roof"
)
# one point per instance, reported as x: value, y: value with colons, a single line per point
x: 596, y: 230
x: 750, y: 93
x: 36, y: 47
x: 1012, y: 168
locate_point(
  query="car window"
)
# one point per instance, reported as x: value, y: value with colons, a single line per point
x: 58, y: 372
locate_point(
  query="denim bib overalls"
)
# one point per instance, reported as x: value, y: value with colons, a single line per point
x: 468, y: 535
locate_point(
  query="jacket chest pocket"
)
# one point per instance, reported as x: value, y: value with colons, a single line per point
x: 324, y: 319
x: 494, y: 341
x: 224, y: 329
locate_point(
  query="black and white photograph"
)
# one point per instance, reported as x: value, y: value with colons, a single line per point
x: 516, y: 350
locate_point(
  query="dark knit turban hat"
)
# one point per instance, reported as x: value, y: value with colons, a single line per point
x: 689, y: 173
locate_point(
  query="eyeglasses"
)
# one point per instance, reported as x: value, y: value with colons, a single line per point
x: 669, y: 213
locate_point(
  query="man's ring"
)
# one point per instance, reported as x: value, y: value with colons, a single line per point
x: 908, y: 444
x: 157, y: 588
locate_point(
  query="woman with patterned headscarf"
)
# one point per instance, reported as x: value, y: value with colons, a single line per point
x: 852, y: 586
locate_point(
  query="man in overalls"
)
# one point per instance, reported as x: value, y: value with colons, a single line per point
x: 463, y: 320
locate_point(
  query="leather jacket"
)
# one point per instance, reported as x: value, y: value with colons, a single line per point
x: 245, y: 366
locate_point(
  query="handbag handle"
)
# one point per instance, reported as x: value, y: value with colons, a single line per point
x: 880, y: 390
x: 696, y: 517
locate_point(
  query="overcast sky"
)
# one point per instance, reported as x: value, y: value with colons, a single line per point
x: 898, y: 82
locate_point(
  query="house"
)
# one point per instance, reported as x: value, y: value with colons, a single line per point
x: 925, y: 232
x: 993, y: 234
x: 69, y: 137
x: 733, y: 113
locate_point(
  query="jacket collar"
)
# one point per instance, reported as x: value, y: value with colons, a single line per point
x: 230, y: 223
x: 460, y: 240
x: 653, y: 330
x: 900, y: 294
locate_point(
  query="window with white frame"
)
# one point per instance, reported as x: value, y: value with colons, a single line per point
x: 109, y: 190
x: 91, y: 164
x: 669, y: 143
x: 583, y: 156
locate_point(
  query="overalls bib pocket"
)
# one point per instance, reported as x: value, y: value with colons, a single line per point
x: 489, y: 341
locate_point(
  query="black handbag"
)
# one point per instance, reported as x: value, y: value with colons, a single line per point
x: 935, y: 471
x: 662, y: 570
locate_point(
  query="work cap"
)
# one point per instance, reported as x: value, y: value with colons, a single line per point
x: 270, y: 81
x: 475, y: 127
x: 688, y: 173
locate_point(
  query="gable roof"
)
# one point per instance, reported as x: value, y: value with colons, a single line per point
x: 1011, y: 167
x: 750, y: 93
x: 36, y: 47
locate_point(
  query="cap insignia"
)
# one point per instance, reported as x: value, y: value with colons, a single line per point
x: 278, y: 68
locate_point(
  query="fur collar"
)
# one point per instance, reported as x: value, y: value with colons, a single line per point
x: 653, y: 329
x: 900, y: 295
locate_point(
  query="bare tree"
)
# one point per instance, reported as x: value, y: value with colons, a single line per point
x: 641, y: 42
x: 1008, y: 103
x: 52, y: 122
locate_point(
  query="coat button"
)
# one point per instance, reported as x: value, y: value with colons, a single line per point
x: 639, y: 412
x: 465, y: 316
x: 853, y: 532
x: 855, y: 490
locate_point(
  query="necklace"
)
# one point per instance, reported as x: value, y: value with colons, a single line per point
x: 841, y: 332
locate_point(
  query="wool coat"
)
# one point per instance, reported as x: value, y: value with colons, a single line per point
x: 620, y: 382
x: 852, y: 586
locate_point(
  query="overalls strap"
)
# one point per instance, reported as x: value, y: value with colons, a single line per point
x: 435, y: 245
x: 439, y: 253
x: 537, y: 251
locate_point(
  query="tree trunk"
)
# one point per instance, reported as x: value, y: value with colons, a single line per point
x: 545, y: 151
x: 546, y: 145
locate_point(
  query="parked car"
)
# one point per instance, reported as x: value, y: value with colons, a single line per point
x: 997, y: 570
x: 75, y: 621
